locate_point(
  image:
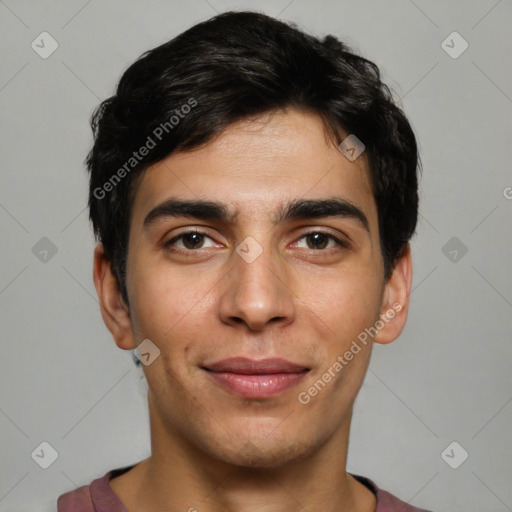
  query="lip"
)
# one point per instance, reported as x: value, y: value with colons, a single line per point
x: 248, y: 366
x: 256, y: 379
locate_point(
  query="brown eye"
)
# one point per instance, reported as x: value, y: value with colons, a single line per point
x: 192, y: 240
x: 319, y: 241
x: 189, y: 241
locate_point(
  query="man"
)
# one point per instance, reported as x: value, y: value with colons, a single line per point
x: 253, y: 190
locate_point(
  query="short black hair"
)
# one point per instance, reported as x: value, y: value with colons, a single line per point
x: 236, y: 65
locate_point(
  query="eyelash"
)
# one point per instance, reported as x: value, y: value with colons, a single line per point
x: 189, y: 252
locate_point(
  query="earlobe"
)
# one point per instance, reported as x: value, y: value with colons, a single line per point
x: 395, y: 304
x: 114, y: 311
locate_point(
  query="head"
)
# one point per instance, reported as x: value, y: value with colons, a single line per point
x: 239, y: 120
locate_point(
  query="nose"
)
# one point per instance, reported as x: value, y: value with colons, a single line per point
x: 257, y: 292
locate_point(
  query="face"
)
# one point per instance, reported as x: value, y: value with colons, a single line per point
x: 283, y: 290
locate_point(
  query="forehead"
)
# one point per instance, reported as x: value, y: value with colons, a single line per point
x: 258, y: 165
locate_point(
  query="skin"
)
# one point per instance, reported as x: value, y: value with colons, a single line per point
x: 213, y: 450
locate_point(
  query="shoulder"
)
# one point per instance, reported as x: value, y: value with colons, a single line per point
x: 98, y: 496
x: 74, y: 501
x: 387, y: 502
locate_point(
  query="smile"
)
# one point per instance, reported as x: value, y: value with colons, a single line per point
x: 256, y: 379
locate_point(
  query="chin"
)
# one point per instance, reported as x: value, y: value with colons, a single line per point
x: 262, y: 452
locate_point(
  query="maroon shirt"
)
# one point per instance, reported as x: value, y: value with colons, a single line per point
x: 99, y: 497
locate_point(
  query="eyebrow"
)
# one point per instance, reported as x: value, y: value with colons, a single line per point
x: 298, y: 209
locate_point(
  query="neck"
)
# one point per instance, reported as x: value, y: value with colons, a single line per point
x: 179, y: 476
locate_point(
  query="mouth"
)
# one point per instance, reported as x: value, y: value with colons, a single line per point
x: 255, y: 379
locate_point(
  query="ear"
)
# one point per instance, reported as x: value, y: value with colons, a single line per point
x: 395, y: 303
x: 114, y: 311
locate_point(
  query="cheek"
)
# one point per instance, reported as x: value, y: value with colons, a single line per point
x: 344, y: 349
x: 346, y: 303
x: 165, y: 304
x: 166, y: 309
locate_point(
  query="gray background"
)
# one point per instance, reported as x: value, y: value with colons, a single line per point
x: 447, y: 378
